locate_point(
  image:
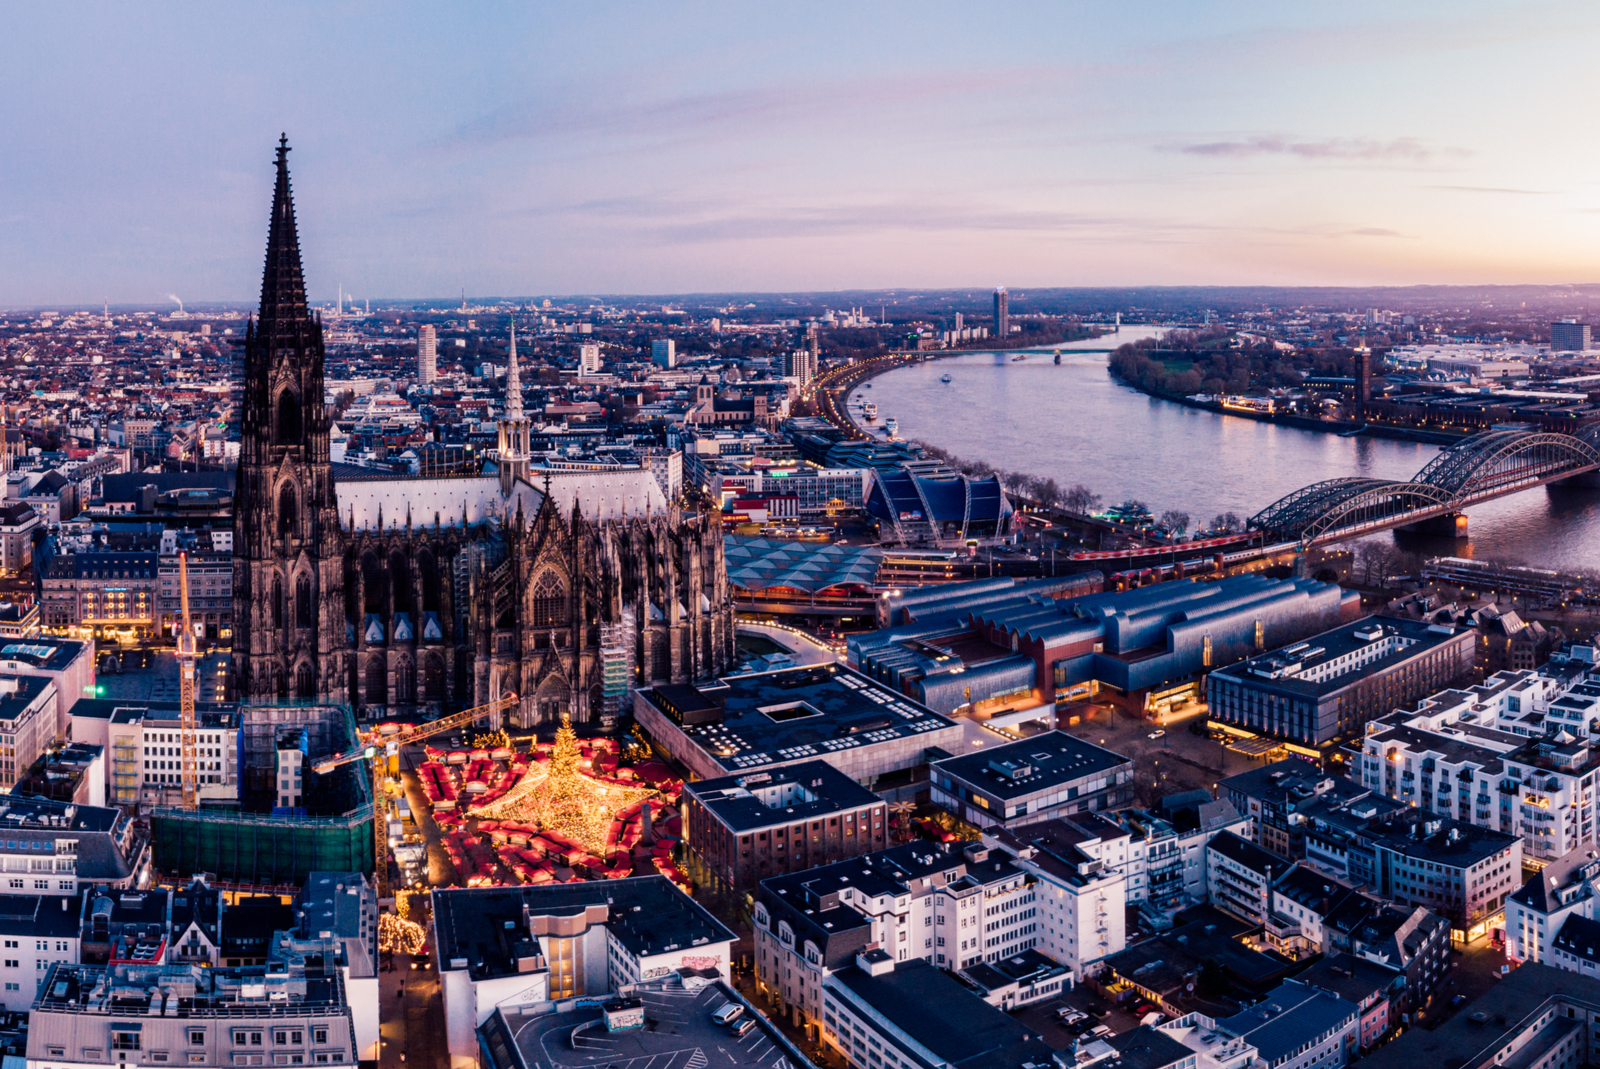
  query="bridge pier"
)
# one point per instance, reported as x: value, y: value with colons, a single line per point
x: 1450, y: 525
x: 1589, y: 480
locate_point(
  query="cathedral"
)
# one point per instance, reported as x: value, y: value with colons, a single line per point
x: 403, y: 595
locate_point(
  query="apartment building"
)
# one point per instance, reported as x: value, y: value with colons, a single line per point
x: 1513, y: 755
x: 1240, y: 876
x: 36, y: 932
x: 145, y: 743
x: 945, y: 903
x: 879, y: 1013
x: 1567, y: 889
x: 291, y: 1011
x: 1461, y: 872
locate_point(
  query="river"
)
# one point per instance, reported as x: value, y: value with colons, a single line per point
x: 1076, y: 424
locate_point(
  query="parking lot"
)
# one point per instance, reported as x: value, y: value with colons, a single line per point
x: 1192, y: 760
x: 678, y: 1033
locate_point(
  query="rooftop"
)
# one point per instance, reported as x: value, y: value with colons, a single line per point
x: 1334, y: 659
x: 677, y: 1024
x: 939, y: 1014
x: 1293, y: 1015
x: 783, y: 795
x: 1480, y: 1029
x: 746, y: 722
x: 479, y: 928
x: 1027, y: 767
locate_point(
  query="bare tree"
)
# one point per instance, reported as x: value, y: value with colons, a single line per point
x: 1228, y: 522
x: 1079, y: 499
x: 1047, y: 492
x: 1174, y: 521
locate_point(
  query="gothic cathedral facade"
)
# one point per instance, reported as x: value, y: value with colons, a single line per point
x: 401, y: 595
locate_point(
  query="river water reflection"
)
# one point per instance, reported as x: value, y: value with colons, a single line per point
x: 1074, y: 423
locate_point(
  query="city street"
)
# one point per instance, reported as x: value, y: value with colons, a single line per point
x: 413, y: 1028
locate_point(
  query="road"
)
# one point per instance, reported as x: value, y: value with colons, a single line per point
x: 413, y: 1026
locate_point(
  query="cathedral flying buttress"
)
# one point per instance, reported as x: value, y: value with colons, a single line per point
x: 402, y: 595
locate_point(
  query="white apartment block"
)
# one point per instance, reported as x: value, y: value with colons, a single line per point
x: 1537, y: 912
x: 947, y: 906
x: 1513, y: 755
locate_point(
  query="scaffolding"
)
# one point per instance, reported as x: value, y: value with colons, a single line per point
x: 254, y: 845
x: 616, y: 668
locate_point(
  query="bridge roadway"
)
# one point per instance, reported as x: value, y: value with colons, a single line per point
x: 1487, y: 465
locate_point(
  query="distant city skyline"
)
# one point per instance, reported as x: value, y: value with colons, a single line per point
x: 723, y: 148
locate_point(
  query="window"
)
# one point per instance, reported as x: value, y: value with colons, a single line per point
x: 197, y: 1037
x: 124, y: 1040
x: 285, y: 1037
x: 319, y: 1035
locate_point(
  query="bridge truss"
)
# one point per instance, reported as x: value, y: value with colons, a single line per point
x: 1486, y: 465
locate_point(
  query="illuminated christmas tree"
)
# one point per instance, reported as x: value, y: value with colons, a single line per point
x: 564, y: 799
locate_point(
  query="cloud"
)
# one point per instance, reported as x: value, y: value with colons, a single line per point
x: 1494, y: 189
x: 752, y: 110
x: 1400, y: 149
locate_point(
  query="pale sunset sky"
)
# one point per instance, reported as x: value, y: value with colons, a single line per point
x: 548, y: 149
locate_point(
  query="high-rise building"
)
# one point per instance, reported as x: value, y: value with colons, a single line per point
x: 1002, y: 312
x: 800, y: 365
x: 664, y: 351
x: 427, y: 355
x: 588, y: 359
x: 1569, y: 335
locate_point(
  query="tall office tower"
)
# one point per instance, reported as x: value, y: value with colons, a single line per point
x: 664, y: 351
x: 1363, y: 376
x: 1569, y: 335
x: 1002, y: 312
x: 960, y: 319
x: 588, y: 359
x: 427, y: 355
x: 800, y: 365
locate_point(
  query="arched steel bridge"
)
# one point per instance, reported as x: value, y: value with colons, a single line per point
x: 1487, y: 465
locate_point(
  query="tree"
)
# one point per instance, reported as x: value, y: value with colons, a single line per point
x: 1047, y: 492
x: 1227, y: 521
x: 1079, y: 499
x: 1174, y: 521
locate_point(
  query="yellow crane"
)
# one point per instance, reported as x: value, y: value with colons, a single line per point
x: 372, y: 745
x: 367, y: 747
x: 186, y: 685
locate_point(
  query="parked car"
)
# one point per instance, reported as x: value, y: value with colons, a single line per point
x: 1068, y: 1015
x: 1143, y: 1008
x: 728, y: 1013
x: 742, y: 1028
x: 1100, y: 1031
x: 1157, y: 733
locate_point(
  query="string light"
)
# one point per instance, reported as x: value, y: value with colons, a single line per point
x: 396, y: 935
x: 564, y: 799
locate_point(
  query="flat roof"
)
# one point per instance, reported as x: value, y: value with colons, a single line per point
x: 646, y: 914
x: 678, y: 1032
x: 794, y: 713
x: 937, y: 1012
x: 1040, y: 764
x: 781, y: 796
x: 1285, y: 669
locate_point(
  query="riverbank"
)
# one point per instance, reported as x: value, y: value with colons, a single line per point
x: 1303, y: 423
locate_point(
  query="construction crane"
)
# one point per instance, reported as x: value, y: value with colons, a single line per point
x: 186, y: 684
x: 371, y: 740
x: 372, y: 745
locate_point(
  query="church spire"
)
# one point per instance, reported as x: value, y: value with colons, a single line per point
x: 513, y: 381
x: 283, y: 285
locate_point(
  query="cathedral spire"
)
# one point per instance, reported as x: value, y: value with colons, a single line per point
x: 513, y: 381
x: 283, y: 284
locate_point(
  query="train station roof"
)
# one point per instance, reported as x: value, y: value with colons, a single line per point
x: 761, y: 563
